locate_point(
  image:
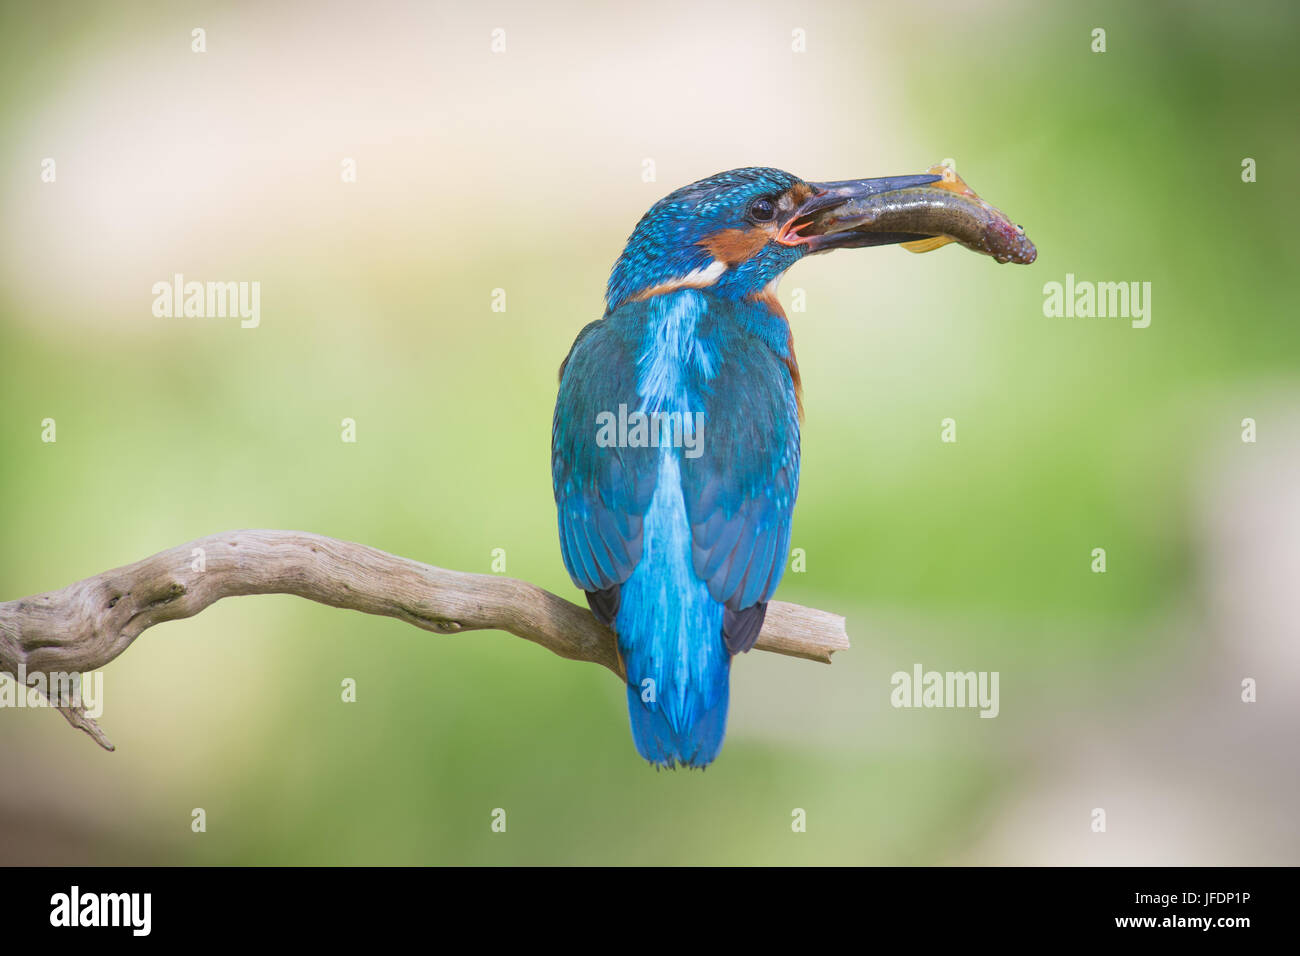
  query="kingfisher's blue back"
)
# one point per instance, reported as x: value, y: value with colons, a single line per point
x: 675, y: 445
x: 681, y: 553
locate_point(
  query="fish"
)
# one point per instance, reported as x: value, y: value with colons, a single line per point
x: 941, y: 212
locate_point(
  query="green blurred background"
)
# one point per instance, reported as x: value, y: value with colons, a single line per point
x: 523, y: 171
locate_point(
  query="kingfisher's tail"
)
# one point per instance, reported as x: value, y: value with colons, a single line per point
x: 678, y: 666
x: 670, y: 637
x: 694, y: 745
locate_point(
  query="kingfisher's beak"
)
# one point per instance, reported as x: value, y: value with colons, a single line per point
x: 821, y: 223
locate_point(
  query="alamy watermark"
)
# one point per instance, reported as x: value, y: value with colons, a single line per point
x: 1103, y: 300
x: 132, y: 911
x: 923, y: 688
x: 208, y: 300
x: 638, y: 429
x: 56, y: 689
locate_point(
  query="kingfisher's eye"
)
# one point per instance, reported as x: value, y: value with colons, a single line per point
x: 762, y: 210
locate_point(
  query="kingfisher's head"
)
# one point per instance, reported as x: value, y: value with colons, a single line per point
x: 737, y: 232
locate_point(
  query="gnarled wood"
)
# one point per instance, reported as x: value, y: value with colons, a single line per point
x: 85, y: 625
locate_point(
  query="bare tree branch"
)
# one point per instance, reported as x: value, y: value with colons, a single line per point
x: 85, y: 625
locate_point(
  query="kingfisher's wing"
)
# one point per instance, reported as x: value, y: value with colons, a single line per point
x: 740, y: 490
x: 601, y: 493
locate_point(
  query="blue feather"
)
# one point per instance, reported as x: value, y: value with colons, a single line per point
x: 670, y: 637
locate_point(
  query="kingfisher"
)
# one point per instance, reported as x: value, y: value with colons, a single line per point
x: 675, y: 440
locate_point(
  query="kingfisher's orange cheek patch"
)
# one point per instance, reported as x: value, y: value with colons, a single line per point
x: 734, y: 246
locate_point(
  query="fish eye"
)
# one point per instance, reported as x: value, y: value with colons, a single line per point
x: 762, y: 210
